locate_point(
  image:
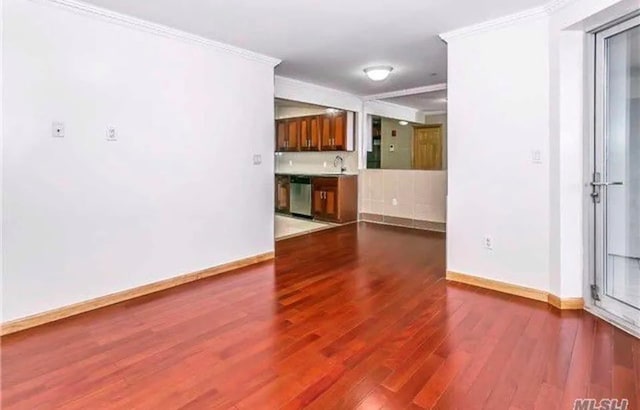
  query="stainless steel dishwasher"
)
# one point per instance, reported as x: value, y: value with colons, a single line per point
x: 300, y: 195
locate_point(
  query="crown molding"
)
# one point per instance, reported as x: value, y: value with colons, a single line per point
x: 292, y: 82
x: 505, y: 21
x: 158, y: 29
x: 408, y: 91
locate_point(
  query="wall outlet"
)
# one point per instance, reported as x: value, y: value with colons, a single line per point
x: 57, y: 129
x: 488, y: 242
x: 257, y: 159
x: 112, y: 134
x: 394, y: 202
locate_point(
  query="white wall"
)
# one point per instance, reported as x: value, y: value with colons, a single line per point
x: 497, y: 115
x: 507, y: 73
x: 177, y: 192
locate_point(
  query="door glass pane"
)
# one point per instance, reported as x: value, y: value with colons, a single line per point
x: 622, y: 131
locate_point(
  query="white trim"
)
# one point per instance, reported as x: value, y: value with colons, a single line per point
x: 159, y: 29
x: 434, y: 112
x: 296, y: 90
x: 395, y: 111
x: 409, y: 91
x: 504, y: 21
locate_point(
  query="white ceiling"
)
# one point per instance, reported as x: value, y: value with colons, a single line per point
x: 433, y: 101
x: 329, y: 42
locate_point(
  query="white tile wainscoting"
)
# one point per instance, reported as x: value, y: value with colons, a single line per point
x: 412, y: 198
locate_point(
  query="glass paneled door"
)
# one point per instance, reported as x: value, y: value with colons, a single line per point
x: 616, y: 176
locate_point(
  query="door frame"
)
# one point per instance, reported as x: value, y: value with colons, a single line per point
x: 593, y: 158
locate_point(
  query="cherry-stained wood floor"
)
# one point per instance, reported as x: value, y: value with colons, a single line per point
x: 356, y: 317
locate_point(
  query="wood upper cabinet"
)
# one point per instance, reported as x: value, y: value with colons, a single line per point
x: 282, y: 193
x: 293, y: 134
x: 281, y: 135
x: 288, y: 135
x: 310, y: 133
x: 340, y: 132
x: 334, y: 131
x: 329, y: 132
x: 335, y: 199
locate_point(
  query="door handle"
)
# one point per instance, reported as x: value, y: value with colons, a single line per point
x: 607, y: 183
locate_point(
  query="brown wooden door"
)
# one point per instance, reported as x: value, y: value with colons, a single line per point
x: 339, y: 131
x: 325, y: 198
x: 314, y: 133
x: 427, y: 147
x: 326, y: 132
x: 331, y: 203
x: 281, y: 135
x: 282, y: 194
x: 305, y: 140
x: 293, y: 134
x: 317, y: 202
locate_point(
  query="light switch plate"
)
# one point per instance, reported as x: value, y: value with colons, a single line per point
x: 257, y: 159
x: 536, y: 156
x: 112, y: 134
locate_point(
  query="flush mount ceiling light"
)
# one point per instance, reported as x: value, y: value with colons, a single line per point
x: 403, y: 122
x: 378, y: 73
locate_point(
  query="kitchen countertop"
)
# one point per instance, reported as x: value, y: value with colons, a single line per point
x: 319, y: 174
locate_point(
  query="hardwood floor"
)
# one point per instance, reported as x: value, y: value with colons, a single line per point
x: 353, y: 317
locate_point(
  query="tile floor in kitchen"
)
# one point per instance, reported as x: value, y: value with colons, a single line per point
x: 287, y: 227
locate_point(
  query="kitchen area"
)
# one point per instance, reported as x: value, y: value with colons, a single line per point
x: 316, y: 168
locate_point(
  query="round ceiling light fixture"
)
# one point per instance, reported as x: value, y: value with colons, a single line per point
x: 378, y: 73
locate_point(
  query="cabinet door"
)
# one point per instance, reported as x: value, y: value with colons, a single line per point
x: 281, y: 135
x: 314, y: 133
x: 282, y: 194
x: 305, y: 141
x: 293, y: 135
x: 340, y: 132
x: 326, y: 130
x: 317, y: 202
x: 331, y: 203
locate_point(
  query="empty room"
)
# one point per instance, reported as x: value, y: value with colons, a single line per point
x: 250, y: 204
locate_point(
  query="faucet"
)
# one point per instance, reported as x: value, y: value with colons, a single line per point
x: 335, y: 163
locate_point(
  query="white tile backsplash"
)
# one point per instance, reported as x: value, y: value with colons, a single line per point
x: 313, y: 162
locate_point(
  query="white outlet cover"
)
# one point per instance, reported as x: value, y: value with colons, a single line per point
x: 488, y: 242
x: 57, y: 129
x: 394, y: 202
x: 257, y: 159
